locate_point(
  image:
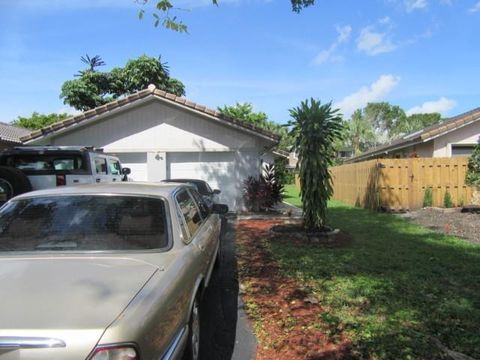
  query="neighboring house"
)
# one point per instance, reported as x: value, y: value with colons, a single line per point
x: 456, y: 136
x: 345, y: 153
x: 10, y: 135
x: 292, y: 160
x: 162, y: 136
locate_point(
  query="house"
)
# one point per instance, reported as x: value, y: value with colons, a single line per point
x: 456, y: 136
x: 163, y: 136
x: 292, y: 161
x: 345, y: 153
x: 10, y: 135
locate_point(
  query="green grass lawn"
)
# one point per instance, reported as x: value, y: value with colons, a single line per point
x: 396, y: 288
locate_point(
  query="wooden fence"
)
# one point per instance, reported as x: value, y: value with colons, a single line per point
x: 400, y: 184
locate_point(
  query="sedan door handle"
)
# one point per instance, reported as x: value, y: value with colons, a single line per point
x: 97, y: 180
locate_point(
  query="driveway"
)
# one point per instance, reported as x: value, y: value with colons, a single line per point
x: 226, y: 334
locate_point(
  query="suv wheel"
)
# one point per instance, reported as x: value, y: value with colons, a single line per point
x: 13, y: 182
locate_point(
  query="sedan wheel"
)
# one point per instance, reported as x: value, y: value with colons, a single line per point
x: 192, y: 352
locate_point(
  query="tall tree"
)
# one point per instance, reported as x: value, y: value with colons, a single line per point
x: 315, y: 128
x: 384, y: 117
x: 38, y: 121
x: 162, y: 12
x: 415, y: 122
x: 380, y: 123
x: 94, y: 88
x: 245, y: 112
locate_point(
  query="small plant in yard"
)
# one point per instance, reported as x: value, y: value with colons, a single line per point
x: 428, y: 197
x: 447, y: 200
x: 473, y: 168
x: 473, y: 175
x: 263, y: 192
x: 315, y: 129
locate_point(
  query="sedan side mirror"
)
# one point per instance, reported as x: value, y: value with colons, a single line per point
x: 216, y: 192
x: 219, y: 209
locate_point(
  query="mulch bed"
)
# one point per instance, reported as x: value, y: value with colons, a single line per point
x: 448, y: 221
x: 287, y: 318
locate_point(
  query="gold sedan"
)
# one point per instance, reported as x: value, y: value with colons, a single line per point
x: 107, y: 271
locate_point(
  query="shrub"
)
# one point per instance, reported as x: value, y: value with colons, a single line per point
x: 428, y: 198
x: 263, y: 192
x: 447, y: 200
x: 473, y: 168
x: 281, y: 172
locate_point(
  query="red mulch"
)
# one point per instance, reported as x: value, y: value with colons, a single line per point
x: 287, y: 311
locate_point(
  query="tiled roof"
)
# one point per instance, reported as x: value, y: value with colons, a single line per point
x: 150, y: 92
x: 12, y: 133
x: 426, y: 134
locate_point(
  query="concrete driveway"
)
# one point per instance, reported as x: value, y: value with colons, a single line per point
x: 225, y: 334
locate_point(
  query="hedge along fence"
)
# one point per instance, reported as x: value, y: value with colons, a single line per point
x: 400, y: 184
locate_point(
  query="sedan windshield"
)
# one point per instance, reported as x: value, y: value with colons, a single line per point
x: 83, y: 223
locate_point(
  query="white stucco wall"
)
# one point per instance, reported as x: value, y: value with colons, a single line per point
x: 468, y: 135
x: 143, y: 137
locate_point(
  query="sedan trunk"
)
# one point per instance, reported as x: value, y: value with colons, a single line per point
x: 71, y: 299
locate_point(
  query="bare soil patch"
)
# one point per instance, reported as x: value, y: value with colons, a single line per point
x: 448, y: 221
x: 287, y: 318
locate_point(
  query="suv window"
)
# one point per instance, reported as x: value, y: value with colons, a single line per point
x: 115, y: 168
x: 83, y: 223
x: 32, y: 163
x: 189, y: 211
x: 101, y: 166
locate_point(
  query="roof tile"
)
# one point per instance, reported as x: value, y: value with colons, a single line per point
x: 12, y: 133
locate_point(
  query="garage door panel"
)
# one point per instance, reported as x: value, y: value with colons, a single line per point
x: 137, y: 162
x: 218, y: 169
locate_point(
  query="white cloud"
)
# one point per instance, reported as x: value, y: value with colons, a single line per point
x: 475, y: 8
x: 442, y: 106
x: 376, y: 91
x: 68, y: 110
x: 413, y: 5
x: 385, y: 20
x: 330, y: 53
x: 374, y: 42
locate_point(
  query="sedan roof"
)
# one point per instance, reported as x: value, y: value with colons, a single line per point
x: 122, y: 188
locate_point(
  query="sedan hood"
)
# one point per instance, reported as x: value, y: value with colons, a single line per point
x: 73, y: 299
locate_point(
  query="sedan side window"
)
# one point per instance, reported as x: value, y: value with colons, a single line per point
x: 201, y: 203
x: 190, y: 212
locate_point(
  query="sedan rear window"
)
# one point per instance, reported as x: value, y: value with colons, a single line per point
x: 83, y: 223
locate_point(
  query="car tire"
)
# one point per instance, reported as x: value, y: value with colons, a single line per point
x: 13, y: 182
x: 192, y: 350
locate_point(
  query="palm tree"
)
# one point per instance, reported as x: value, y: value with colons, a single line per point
x: 360, y: 133
x: 93, y: 62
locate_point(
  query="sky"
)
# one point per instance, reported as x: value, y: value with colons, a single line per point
x: 420, y: 54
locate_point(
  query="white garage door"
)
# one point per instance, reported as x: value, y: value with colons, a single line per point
x: 137, y: 162
x: 217, y: 168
